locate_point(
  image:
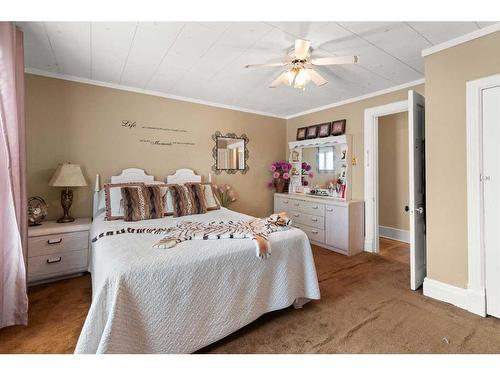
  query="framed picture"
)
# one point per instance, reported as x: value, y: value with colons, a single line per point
x: 338, y: 127
x: 312, y: 131
x: 324, y: 129
x: 301, y: 134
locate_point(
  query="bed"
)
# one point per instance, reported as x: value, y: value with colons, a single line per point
x: 182, y: 299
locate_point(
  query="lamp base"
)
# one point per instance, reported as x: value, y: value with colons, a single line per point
x: 66, y: 201
x: 65, y: 219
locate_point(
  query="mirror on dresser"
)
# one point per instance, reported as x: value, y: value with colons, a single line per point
x: 320, y: 166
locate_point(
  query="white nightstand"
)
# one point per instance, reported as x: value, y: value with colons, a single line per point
x: 57, y: 250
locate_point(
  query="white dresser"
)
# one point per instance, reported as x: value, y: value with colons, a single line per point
x: 57, y: 250
x: 330, y: 223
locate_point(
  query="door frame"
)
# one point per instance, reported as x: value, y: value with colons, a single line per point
x: 476, y: 288
x: 371, y: 169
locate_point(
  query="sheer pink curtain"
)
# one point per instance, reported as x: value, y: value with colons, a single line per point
x: 13, y: 223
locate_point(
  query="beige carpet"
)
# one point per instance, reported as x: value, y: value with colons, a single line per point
x: 366, y: 307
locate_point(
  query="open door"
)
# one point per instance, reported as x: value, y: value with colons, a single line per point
x: 416, y: 131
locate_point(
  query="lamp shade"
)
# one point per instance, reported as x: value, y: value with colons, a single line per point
x: 68, y: 175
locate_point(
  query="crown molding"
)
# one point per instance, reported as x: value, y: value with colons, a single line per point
x: 462, y: 39
x: 146, y: 92
x: 359, y: 98
x: 218, y: 105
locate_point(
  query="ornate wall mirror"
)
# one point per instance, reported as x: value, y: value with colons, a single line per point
x: 230, y: 153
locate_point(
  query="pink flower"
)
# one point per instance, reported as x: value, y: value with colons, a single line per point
x: 221, y: 188
x: 310, y: 174
x: 273, y: 167
x: 286, y: 176
x: 276, y: 175
x: 270, y: 184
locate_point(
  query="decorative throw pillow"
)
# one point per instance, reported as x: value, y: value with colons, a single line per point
x: 166, y: 194
x: 183, y: 200
x: 212, y: 203
x: 142, y: 203
x: 113, y: 198
x: 199, y: 197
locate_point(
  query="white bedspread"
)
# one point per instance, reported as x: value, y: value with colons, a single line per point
x: 179, y: 300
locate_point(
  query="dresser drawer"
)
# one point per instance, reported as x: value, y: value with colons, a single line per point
x: 313, y: 234
x: 55, y: 243
x: 282, y: 204
x: 56, y: 264
x: 312, y: 208
x: 306, y: 219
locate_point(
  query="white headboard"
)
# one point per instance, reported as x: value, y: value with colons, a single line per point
x: 182, y: 176
x: 132, y: 175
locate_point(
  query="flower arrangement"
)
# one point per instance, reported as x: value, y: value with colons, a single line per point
x: 281, y: 174
x: 306, y: 173
x: 225, y: 194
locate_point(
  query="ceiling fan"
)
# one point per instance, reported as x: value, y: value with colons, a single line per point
x: 299, y: 64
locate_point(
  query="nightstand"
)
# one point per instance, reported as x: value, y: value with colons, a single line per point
x: 57, y: 251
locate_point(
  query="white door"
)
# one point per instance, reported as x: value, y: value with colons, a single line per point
x: 491, y: 193
x: 416, y: 130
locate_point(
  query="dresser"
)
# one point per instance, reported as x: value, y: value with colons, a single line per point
x: 57, y: 250
x: 333, y: 224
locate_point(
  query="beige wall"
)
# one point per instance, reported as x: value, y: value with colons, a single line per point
x: 354, y: 114
x: 80, y: 123
x: 446, y: 73
x: 393, y: 170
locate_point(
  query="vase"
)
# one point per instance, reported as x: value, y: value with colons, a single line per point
x: 279, y: 185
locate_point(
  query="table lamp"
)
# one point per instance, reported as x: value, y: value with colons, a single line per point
x: 67, y: 175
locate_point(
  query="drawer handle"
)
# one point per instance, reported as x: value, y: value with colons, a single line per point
x: 54, y: 242
x: 329, y: 209
x: 315, y: 207
x: 285, y: 202
x: 297, y: 204
x: 296, y: 215
x: 56, y: 260
x: 314, y: 219
x: 315, y: 231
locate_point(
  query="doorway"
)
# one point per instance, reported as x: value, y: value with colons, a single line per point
x: 483, y: 202
x: 393, y: 182
x: 415, y: 107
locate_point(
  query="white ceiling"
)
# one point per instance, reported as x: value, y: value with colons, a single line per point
x: 204, y: 60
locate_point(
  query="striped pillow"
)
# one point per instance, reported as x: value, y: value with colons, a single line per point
x: 142, y: 203
x: 199, y: 197
x: 211, y: 200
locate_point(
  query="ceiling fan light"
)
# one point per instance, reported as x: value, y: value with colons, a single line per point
x: 302, y: 79
x: 289, y: 77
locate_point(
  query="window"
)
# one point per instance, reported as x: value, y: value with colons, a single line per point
x: 325, y: 159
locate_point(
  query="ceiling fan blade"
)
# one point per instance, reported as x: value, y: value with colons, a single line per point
x: 316, y: 78
x: 302, y: 48
x: 281, y: 80
x: 270, y: 65
x: 335, y: 60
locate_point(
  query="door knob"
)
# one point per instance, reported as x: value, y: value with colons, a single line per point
x: 420, y: 210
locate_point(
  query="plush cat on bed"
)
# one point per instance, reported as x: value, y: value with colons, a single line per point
x: 255, y: 229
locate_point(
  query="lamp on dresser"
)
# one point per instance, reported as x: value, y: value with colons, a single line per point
x: 67, y: 175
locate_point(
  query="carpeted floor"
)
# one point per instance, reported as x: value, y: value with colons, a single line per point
x: 366, y: 307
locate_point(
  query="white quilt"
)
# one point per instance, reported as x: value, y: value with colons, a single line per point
x: 182, y: 299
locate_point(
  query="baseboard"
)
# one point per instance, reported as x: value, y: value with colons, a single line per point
x: 467, y: 299
x: 446, y: 293
x: 394, y: 233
